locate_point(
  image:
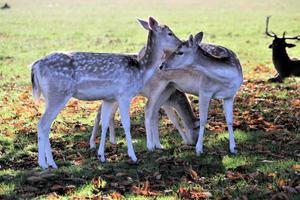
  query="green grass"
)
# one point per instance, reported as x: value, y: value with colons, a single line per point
x: 266, y: 144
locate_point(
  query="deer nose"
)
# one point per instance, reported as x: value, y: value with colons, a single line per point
x: 162, y: 66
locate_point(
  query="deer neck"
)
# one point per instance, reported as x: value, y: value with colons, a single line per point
x: 151, y: 58
x: 280, y: 56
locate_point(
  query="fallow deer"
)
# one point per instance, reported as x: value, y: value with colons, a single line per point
x: 5, y: 6
x: 177, y: 100
x: 283, y: 64
x: 193, y: 70
x: 95, y: 76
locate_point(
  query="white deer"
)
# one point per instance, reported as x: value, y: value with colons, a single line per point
x: 193, y: 70
x: 95, y: 76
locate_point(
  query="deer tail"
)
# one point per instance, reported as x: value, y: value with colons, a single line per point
x: 36, y: 90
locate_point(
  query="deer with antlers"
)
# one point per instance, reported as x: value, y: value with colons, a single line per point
x: 283, y: 64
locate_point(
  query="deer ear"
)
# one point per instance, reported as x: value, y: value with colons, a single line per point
x: 153, y: 24
x: 144, y: 24
x: 290, y: 45
x: 198, y: 38
x: 191, y: 41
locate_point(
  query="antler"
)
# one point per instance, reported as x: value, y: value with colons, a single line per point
x: 267, y: 25
x: 290, y: 37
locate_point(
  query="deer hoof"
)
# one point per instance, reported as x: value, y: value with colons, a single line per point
x: 44, y: 166
x: 275, y: 80
x: 134, y: 159
x: 101, y: 158
x: 158, y: 146
x: 199, y: 152
x: 150, y: 147
x: 113, y: 142
x: 92, y: 145
x: 53, y: 165
x: 233, y: 151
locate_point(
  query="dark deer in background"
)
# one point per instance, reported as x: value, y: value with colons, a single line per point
x: 283, y: 64
x: 5, y: 6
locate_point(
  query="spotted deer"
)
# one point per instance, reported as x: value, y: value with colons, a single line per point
x: 283, y: 64
x: 193, y: 70
x: 177, y: 101
x: 95, y: 76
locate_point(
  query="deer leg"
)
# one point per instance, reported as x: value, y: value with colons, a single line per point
x: 150, y: 145
x: 228, y: 109
x: 112, y: 133
x: 107, y: 108
x: 53, y: 107
x: 154, y: 117
x: 95, y: 128
x: 154, y: 127
x: 203, y: 112
x: 124, y: 105
x: 155, y: 94
x: 97, y: 124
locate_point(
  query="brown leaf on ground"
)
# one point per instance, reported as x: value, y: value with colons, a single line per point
x: 234, y: 175
x: 192, y: 173
x: 116, y: 195
x: 296, y: 167
x: 70, y: 188
x: 282, y: 182
x: 98, y: 183
x: 144, y: 190
x: 272, y: 174
x: 193, y: 193
x: 295, y: 103
x: 52, y: 196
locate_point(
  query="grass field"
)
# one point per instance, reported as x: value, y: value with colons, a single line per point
x: 267, y: 116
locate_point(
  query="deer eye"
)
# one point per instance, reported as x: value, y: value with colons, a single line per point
x: 170, y: 34
x: 180, y: 53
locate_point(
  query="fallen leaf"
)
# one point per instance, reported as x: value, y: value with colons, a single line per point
x: 83, y: 128
x: 98, y: 183
x: 193, y: 193
x: 192, y: 173
x: 234, y: 175
x: 144, y: 190
x: 281, y: 182
x: 295, y: 102
x: 70, y: 188
x: 296, y: 167
x: 272, y: 174
x: 116, y: 195
x: 53, y: 196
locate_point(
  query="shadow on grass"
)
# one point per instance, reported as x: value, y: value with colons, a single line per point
x: 80, y: 171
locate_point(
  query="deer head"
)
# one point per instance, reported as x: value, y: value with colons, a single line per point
x: 279, y: 43
x: 162, y: 35
x: 185, y: 54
